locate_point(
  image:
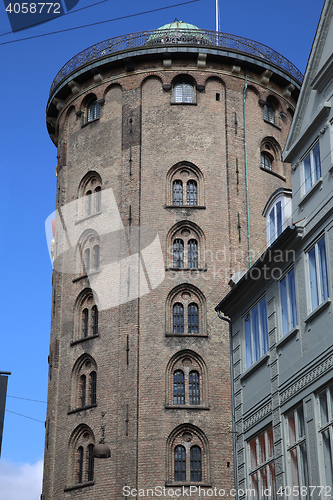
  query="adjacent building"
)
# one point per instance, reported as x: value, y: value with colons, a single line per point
x: 169, y: 145
x: 281, y: 326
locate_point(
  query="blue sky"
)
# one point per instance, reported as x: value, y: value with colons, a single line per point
x: 28, y: 161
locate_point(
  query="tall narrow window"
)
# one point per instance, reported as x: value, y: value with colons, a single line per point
x: 178, y: 253
x: 80, y: 464
x: 256, y: 333
x: 88, y: 202
x: 297, y: 448
x: 180, y: 463
x: 266, y: 161
x: 193, y: 318
x: 269, y: 113
x: 195, y: 460
x: 177, y: 192
x: 93, y: 385
x: 85, y: 323
x: 312, y: 167
x: 96, y: 257
x: 90, y: 469
x: 192, y: 254
x: 183, y: 92
x: 288, y: 302
x: 192, y: 193
x: 94, y: 311
x: 194, y: 388
x: 178, y: 388
x: 326, y: 430
x: 98, y: 200
x: 87, y: 260
x: 83, y: 382
x: 178, y: 318
x: 262, y: 467
x: 92, y: 110
x: 318, y: 273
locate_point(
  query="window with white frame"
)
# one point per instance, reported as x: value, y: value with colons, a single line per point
x: 278, y: 214
x: 311, y: 167
x: 256, y: 332
x: 262, y: 467
x: 317, y: 262
x: 325, y: 400
x: 297, y: 456
x: 288, y: 302
x: 183, y: 92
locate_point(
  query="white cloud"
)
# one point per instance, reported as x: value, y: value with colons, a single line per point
x: 20, y: 481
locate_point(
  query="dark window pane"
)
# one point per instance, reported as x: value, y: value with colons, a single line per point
x: 191, y: 194
x: 177, y: 195
x: 195, y: 459
x: 178, y: 318
x: 94, y: 320
x: 194, y: 388
x: 85, y: 315
x: 178, y: 253
x: 178, y: 388
x: 93, y: 384
x: 98, y: 194
x: 192, y: 254
x: 180, y: 463
x: 83, y: 390
x: 90, y: 463
x: 88, y: 202
x: 92, y: 111
x: 193, y: 318
x: 80, y: 462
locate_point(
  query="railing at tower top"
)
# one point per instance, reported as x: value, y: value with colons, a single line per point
x: 169, y: 37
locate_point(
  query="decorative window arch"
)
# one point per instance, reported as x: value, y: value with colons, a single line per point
x: 90, y: 191
x: 183, y: 90
x: 270, y: 155
x: 84, y: 383
x: 186, y: 381
x: 185, y: 311
x: 86, y: 316
x: 186, y: 244
x: 278, y: 214
x: 185, y: 186
x: 80, y: 468
x: 88, y: 253
x: 187, y: 456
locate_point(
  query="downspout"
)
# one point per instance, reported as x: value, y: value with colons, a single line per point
x: 232, y: 400
x: 246, y: 173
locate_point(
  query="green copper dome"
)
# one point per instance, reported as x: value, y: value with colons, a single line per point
x: 178, y: 31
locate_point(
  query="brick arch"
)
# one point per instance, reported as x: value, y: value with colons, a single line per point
x: 151, y: 77
x: 88, y: 240
x: 187, y: 435
x: 86, y: 299
x: 215, y: 79
x: 111, y: 87
x: 82, y: 436
x: 187, y: 361
x: 185, y: 294
x: 84, y: 365
x: 193, y: 173
x: 186, y: 230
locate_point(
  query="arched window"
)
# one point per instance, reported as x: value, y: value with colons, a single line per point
x: 186, y: 381
x: 278, y: 213
x: 192, y: 253
x: 98, y: 198
x: 194, y: 388
x: 187, y: 449
x: 86, y: 315
x: 187, y: 242
x: 92, y: 110
x: 178, y: 253
x: 96, y: 257
x: 178, y: 387
x: 185, y: 185
x: 193, y: 318
x: 183, y: 92
x: 266, y: 161
x: 180, y: 463
x: 88, y: 202
x: 80, y: 456
x: 177, y: 191
x: 178, y: 318
x: 185, y: 311
x: 87, y: 260
x: 88, y: 253
x: 195, y: 461
x: 269, y: 113
x: 192, y: 192
x: 84, y: 383
x: 90, y: 191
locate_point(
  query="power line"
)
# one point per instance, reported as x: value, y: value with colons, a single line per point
x: 25, y: 416
x: 26, y: 399
x: 100, y: 22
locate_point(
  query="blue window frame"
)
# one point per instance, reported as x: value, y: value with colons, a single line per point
x: 318, y: 274
x: 288, y: 302
x: 256, y: 333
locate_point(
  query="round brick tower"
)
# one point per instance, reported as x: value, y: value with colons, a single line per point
x: 169, y: 146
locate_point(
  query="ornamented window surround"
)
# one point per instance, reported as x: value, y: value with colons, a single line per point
x: 82, y: 436
x: 89, y: 240
x: 186, y: 361
x: 271, y: 148
x: 86, y: 299
x: 85, y: 365
x: 186, y: 294
x: 187, y: 435
x: 91, y: 182
x: 185, y: 231
x: 185, y: 171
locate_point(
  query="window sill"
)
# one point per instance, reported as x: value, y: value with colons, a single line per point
x: 195, y: 207
x: 273, y: 173
x: 183, y: 104
x: 313, y: 314
x: 194, y: 269
x: 188, y: 483
x: 84, y: 338
x: 77, y: 410
x: 287, y: 337
x: 83, y: 276
x: 80, y: 485
x: 271, y: 123
x: 255, y: 365
x: 90, y: 121
x: 87, y: 217
x: 312, y: 189
x: 186, y: 335
x: 186, y: 407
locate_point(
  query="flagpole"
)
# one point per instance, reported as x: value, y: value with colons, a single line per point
x: 217, y: 14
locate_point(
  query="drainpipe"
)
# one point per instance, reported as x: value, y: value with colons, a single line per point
x: 246, y: 173
x: 232, y: 401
